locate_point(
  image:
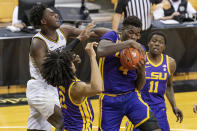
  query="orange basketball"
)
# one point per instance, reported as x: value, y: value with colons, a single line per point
x: 130, y: 57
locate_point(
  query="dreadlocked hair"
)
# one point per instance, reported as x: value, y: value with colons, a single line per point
x: 132, y: 20
x: 36, y: 15
x: 56, y: 68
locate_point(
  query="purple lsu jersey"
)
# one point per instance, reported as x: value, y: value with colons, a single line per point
x: 117, y: 79
x: 76, y: 117
x: 156, y: 81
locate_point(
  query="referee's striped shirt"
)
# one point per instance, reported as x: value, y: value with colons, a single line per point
x: 139, y: 8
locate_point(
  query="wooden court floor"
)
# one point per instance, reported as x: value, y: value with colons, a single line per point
x: 14, y: 118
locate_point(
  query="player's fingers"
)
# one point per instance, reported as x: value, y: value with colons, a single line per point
x: 90, y: 45
x: 142, y: 51
x: 90, y: 25
x: 177, y: 117
x: 194, y: 108
x: 181, y: 118
x: 95, y: 44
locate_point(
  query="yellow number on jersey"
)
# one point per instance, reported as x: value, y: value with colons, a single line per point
x: 124, y: 70
x: 154, y: 87
x: 62, y: 100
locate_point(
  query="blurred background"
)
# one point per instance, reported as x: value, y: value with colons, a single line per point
x: 16, y: 34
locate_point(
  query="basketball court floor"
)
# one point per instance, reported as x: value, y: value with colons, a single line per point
x: 14, y: 118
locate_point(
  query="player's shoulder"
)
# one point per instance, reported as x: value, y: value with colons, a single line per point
x: 38, y: 45
x: 37, y: 41
x: 110, y: 35
x: 111, y: 32
x: 78, y: 86
x: 172, y: 64
x: 171, y: 60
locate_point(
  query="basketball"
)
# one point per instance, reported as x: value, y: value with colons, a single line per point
x: 130, y: 57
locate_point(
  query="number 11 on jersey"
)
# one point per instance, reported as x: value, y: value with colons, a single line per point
x: 154, y: 86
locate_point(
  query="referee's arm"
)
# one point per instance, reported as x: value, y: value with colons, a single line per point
x: 118, y: 15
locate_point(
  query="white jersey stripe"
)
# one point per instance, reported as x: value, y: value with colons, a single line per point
x: 141, y: 9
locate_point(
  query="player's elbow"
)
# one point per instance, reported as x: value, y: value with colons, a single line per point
x: 100, y: 52
x: 97, y: 88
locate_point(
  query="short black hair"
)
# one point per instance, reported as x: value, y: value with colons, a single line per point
x: 157, y: 33
x: 132, y: 20
x: 36, y: 15
x: 56, y: 68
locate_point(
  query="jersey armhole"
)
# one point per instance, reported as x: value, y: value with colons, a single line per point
x: 43, y: 41
x: 61, y: 30
x: 69, y: 95
x: 168, y: 64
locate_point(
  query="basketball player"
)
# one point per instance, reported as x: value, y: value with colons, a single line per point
x: 59, y: 71
x: 159, y: 75
x: 42, y: 97
x: 120, y: 95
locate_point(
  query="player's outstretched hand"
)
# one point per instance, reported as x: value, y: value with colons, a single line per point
x: 86, y: 33
x: 90, y: 50
x: 195, y: 108
x: 179, y: 114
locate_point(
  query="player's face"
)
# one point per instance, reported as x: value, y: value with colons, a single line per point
x: 51, y: 18
x: 131, y: 32
x: 156, y: 44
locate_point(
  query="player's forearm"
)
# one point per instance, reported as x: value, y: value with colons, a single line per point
x: 96, y: 79
x: 99, y: 31
x: 170, y: 96
x: 107, y: 48
x: 141, y: 80
x: 116, y: 21
x: 72, y: 44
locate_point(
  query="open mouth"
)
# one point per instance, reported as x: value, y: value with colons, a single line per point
x: 156, y: 49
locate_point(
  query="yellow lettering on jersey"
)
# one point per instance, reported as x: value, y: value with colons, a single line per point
x: 163, y: 78
x: 157, y: 76
x: 62, y: 100
x: 124, y: 70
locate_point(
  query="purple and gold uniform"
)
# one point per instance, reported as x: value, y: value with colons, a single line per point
x: 154, y: 89
x: 76, y: 117
x: 120, y: 97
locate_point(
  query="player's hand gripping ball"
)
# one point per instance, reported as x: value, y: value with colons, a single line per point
x: 130, y: 57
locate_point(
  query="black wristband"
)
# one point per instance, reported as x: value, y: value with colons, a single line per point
x: 72, y: 44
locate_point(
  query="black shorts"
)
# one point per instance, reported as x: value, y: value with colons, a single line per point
x: 150, y: 125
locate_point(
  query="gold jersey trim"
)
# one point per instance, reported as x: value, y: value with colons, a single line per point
x: 155, y: 65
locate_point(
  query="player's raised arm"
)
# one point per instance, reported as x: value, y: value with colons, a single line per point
x: 83, y: 89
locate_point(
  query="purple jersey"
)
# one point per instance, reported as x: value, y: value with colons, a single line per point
x: 117, y: 79
x: 156, y: 81
x: 75, y: 116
